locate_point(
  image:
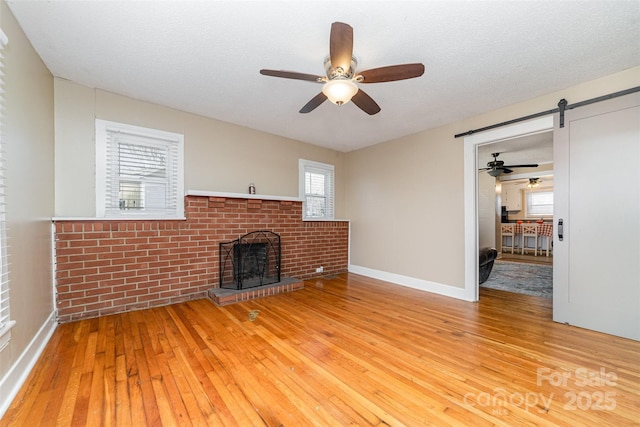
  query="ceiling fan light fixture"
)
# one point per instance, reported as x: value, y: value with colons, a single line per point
x: 533, y: 182
x: 494, y: 172
x: 340, y: 91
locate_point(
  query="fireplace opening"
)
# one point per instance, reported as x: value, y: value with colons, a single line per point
x: 250, y: 261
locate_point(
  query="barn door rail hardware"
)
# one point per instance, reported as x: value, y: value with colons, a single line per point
x: 563, y: 106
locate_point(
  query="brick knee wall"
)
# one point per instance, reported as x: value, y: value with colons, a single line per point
x: 105, y: 267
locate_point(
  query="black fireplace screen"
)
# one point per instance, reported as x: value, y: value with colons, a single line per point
x: 250, y: 261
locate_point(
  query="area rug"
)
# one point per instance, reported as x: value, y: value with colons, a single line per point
x: 529, y: 279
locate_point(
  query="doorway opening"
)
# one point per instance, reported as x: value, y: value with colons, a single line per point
x: 507, y: 137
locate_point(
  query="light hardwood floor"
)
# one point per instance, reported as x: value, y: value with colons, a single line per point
x: 529, y: 259
x: 346, y: 350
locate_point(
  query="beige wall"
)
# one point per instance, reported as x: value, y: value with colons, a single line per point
x: 28, y: 137
x: 219, y: 156
x: 405, y: 203
x: 405, y: 198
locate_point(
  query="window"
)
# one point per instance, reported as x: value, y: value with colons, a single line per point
x: 139, y: 172
x: 316, y: 187
x: 539, y: 203
x: 5, y: 319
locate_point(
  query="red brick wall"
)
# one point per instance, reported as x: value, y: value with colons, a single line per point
x: 105, y: 267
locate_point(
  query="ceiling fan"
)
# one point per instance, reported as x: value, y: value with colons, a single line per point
x: 340, y: 83
x: 497, y: 167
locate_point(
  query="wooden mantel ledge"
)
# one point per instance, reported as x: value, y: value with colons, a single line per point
x: 242, y: 196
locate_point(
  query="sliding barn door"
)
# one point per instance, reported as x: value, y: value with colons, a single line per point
x: 596, y: 280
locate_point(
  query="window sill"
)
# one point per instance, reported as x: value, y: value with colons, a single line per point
x: 324, y: 220
x: 112, y: 218
x: 243, y: 196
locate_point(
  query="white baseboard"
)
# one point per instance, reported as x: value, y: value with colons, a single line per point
x: 411, y: 282
x: 18, y: 373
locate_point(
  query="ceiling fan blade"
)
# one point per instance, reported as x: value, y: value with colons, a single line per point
x: 365, y: 103
x: 533, y: 165
x: 341, y: 46
x: 292, y: 75
x: 506, y: 170
x: 314, y: 103
x: 392, y: 73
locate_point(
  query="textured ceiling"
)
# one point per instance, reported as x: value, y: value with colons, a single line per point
x: 204, y: 57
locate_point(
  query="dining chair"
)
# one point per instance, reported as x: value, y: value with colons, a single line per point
x: 544, y: 243
x: 530, y: 231
x: 506, y: 231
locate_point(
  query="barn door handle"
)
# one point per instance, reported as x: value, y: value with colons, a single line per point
x: 560, y: 230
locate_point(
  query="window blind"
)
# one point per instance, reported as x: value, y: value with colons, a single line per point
x: 142, y: 174
x: 318, y: 188
x: 5, y: 319
x: 540, y: 203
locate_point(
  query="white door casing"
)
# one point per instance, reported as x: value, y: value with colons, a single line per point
x: 471, y: 145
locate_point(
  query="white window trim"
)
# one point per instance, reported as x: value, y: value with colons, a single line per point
x: 7, y: 323
x: 329, y: 169
x: 102, y: 128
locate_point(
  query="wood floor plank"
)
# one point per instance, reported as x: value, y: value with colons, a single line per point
x: 68, y: 401
x: 122, y: 404
x: 68, y: 386
x: 182, y: 337
x: 197, y: 398
x: 81, y: 408
x: 345, y: 350
x: 97, y: 400
x: 155, y: 394
x: 221, y: 389
x: 140, y: 416
x: 42, y: 379
x: 334, y: 375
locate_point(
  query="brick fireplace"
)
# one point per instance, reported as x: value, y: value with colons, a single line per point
x: 111, y: 266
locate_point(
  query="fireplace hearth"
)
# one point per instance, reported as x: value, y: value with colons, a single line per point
x: 250, y: 261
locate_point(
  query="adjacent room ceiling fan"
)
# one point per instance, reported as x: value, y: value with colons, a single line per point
x: 497, y: 167
x: 340, y: 83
